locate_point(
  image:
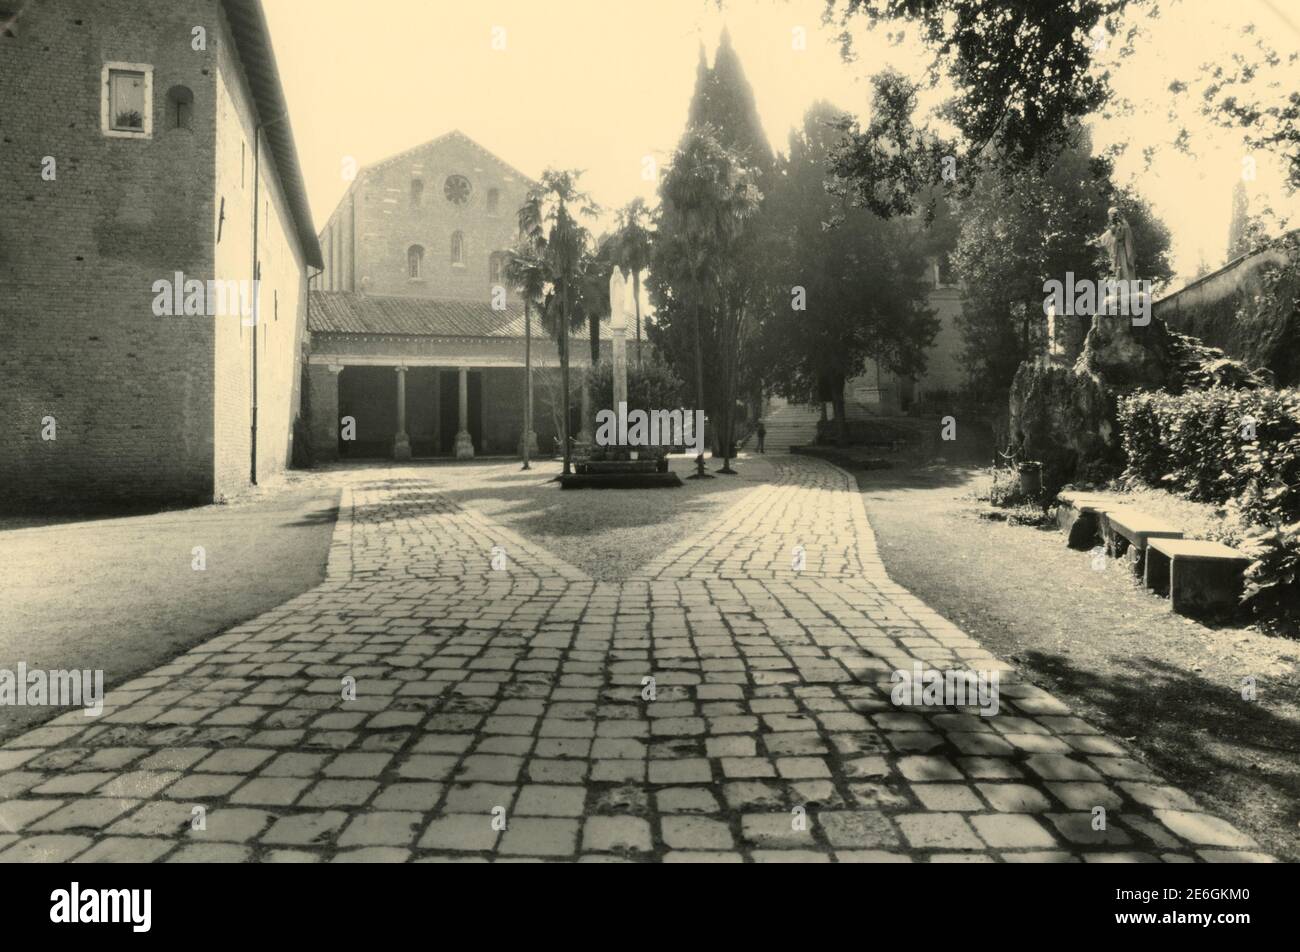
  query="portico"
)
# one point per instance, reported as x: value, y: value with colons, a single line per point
x: 394, y: 378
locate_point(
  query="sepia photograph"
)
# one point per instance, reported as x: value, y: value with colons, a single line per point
x: 651, y: 431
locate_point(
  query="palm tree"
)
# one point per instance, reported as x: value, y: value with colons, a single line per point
x: 708, y: 200
x: 547, y: 222
x: 525, y: 270
x: 632, y: 252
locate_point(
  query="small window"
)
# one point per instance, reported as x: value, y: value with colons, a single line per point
x: 417, y: 192
x: 496, y: 267
x: 414, y: 261
x: 126, y: 107
x: 493, y: 201
x: 180, y: 107
x: 457, y: 249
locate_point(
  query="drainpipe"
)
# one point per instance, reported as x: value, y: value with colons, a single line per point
x: 257, y: 181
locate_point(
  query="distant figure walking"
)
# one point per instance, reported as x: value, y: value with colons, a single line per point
x: 761, y: 430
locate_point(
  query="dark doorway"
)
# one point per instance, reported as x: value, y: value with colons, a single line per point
x: 369, y: 396
x: 449, y: 410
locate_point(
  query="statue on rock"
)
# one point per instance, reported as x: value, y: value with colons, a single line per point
x: 1117, y: 242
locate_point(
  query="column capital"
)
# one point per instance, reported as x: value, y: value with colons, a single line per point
x: 335, y: 368
x: 400, y: 368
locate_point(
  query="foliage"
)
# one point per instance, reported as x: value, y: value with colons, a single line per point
x: 886, y: 165
x: 723, y: 101
x: 1254, y: 91
x: 863, y: 292
x: 652, y: 386
x: 1021, y: 70
x: 630, y: 250
x: 702, y: 279
x: 1273, y: 579
x: 1236, y: 446
x: 555, y: 253
x: 1021, y: 229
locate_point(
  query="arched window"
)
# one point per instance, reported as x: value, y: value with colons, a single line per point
x: 414, y: 260
x: 417, y: 192
x: 496, y: 267
x: 493, y: 200
x: 180, y: 107
x: 458, y: 249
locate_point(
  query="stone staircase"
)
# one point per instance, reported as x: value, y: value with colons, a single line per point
x: 787, y: 426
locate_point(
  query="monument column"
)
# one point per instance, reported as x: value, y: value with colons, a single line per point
x: 464, y: 444
x: 401, y: 442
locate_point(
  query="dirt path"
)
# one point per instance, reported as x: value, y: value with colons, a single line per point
x: 1169, y: 687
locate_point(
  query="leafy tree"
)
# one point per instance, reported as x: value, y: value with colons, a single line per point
x: 1021, y: 68
x: 631, y: 252
x: 1245, y: 231
x: 525, y: 270
x: 1254, y: 91
x: 701, y: 278
x: 1021, y: 229
x: 548, y: 223
x: 851, y: 291
x: 724, y: 101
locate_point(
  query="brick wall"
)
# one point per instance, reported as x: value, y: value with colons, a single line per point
x: 148, y: 408
x: 131, y: 392
x: 375, y: 223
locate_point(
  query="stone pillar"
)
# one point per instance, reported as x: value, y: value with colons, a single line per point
x: 464, y: 444
x: 584, y: 428
x: 401, y: 441
x: 437, y: 411
x: 323, y: 384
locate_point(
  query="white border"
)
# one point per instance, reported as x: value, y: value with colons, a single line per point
x: 104, y: 124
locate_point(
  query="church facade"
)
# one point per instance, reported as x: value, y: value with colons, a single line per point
x: 417, y: 346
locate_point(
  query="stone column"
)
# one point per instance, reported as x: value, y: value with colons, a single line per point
x: 464, y: 444
x: 584, y: 428
x: 323, y: 381
x: 437, y: 411
x: 401, y: 442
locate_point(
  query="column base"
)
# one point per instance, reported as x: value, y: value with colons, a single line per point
x: 401, y: 447
x: 464, y: 445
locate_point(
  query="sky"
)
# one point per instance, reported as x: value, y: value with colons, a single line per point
x: 600, y: 85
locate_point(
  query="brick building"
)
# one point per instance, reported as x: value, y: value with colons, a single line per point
x: 146, y: 151
x: 414, y: 337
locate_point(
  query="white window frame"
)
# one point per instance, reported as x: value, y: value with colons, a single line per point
x: 105, y: 94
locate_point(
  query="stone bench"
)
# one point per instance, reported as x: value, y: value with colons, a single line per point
x: 1079, y: 516
x: 1199, y: 577
x: 1124, y: 529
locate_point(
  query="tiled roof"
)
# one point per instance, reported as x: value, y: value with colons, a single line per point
x: 347, y: 312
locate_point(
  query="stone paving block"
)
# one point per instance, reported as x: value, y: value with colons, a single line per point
x: 470, y: 832
x: 532, y: 836
x: 616, y: 833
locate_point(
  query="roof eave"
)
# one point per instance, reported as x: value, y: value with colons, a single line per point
x: 253, y: 42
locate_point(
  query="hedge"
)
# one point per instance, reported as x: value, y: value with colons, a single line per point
x: 1220, y: 445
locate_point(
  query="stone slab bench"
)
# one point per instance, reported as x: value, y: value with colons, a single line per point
x: 618, y: 466
x: 1199, y: 577
x: 1079, y: 516
x: 1128, y: 530
x: 626, y: 480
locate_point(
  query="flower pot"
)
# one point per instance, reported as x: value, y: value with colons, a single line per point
x: 1031, y: 478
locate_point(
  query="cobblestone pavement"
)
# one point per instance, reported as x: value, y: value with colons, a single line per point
x: 502, y: 712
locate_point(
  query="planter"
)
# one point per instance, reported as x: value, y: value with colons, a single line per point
x: 1031, y: 478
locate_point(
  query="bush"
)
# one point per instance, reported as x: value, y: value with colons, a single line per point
x: 1228, y: 446
x: 1201, y: 444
